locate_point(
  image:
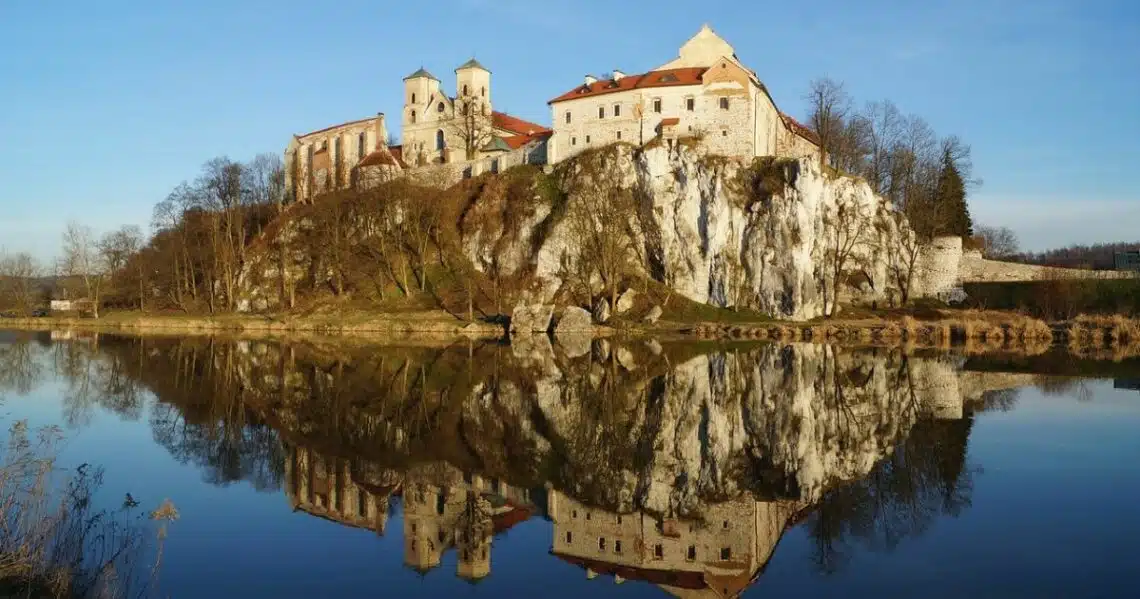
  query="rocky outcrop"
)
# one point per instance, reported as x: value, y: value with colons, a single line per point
x: 531, y: 318
x: 729, y: 232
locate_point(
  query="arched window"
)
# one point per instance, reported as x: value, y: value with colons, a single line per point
x: 360, y: 146
x: 466, y: 109
x: 413, y: 97
x: 483, y: 91
x: 439, y: 108
x: 465, y: 90
x: 440, y: 142
x: 413, y: 119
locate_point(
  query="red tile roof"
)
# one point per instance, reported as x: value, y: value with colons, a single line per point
x: 800, y: 129
x: 675, y: 578
x: 398, y: 153
x: 517, y: 141
x: 506, y: 122
x: 663, y: 78
x: 669, y: 122
x: 381, y: 157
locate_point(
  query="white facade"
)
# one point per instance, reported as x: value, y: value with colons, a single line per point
x: 705, y: 94
x: 323, y: 160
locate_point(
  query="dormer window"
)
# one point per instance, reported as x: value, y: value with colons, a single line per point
x: 668, y: 78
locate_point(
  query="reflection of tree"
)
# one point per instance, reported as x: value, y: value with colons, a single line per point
x: 97, y: 378
x: 924, y: 478
x: 20, y: 370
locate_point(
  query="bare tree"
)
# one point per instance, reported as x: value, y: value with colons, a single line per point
x: 828, y: 108
x: 18, y: 273
x: 472, y: 125
x: 81, y: 259
x: 599, y: 219
x: 998, y: 242
x: 850, y: 226
x: 263, y: 180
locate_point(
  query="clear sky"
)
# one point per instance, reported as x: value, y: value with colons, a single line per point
x: 105, y: 106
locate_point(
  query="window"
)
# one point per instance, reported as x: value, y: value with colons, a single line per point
x: 413, y: 119
x: 574, y: 514
x: 465, y: 90
x: 601, y: 112
x: 724, y: 133
x: 360, y: 145
x: 692, y: 553
x: 658, y: 551
x: 725, y: 525
x: 440, y: 107
x: 690, y: 104
x: 619, y: 135
x: 573, y: 141
x: 483, y: 91
x: 495, y: 165
x: 617, y: 546
x: 414, y: 528
x: 413, y: 98
x: 619, y: 519
x: 725, y: 553
x: 617, y: 109
x: 337, y: 149
x: 567, y: 117
x: 466, y: 109
x: 601, y: 543
x: 440, y: 143
x: 656, y: 104
x: 724, y: 103
x: 587, y: 141
x: 569, y: 537
x: 587, y: 515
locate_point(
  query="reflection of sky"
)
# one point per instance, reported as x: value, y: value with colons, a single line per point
x: 1053, y: 514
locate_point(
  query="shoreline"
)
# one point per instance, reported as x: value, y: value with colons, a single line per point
x: 973, y: 331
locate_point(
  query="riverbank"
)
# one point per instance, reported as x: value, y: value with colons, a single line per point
x: 973, y: 331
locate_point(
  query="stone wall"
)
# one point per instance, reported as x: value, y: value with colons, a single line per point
x: 353, y: 141
x: 976, y: 269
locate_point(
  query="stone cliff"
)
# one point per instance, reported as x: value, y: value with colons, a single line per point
x: 778, y: 236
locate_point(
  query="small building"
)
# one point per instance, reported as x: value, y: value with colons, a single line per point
x: 1127, y: 260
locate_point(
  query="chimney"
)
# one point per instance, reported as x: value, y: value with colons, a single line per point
x: 618, y: 75
x: 590, y: 79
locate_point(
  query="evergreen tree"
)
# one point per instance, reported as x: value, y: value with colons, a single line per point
x: 950, y: 196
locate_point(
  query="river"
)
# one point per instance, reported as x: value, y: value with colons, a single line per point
x: 341, y: 468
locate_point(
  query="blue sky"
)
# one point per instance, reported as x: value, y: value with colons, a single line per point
x: 105, y: 106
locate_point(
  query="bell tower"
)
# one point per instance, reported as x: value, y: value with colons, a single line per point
x: 473, y: 86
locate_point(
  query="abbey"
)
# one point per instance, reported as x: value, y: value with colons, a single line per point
x: 705, y: 97
x: 705, y: 94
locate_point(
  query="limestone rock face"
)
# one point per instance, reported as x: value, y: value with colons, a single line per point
x: 602, y: 310
x: 574, y: 320
x: 654, y: 315
x: 625, y: 301
x: 531, y: 318
x: 699, y: 228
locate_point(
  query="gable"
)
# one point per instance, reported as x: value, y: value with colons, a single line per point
x: 725, y: 77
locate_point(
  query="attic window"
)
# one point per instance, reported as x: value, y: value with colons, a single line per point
x: 668, y: 78
x: 613, y: 85
x: 585, y: 89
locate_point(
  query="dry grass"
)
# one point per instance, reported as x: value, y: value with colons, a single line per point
x: 53, y: 543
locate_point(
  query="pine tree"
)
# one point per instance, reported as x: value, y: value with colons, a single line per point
x: 950, y: 196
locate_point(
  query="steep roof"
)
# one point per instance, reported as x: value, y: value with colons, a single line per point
x: 661, y: 78
x: 330, y: 128
x: 422, y: 72
x: 472, y: 64
x: 515, y: 142
x: 506, y: 122
x: 800, y: 129
x: 381, y: 157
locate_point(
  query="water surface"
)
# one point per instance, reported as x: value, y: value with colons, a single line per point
x: 342, y: 469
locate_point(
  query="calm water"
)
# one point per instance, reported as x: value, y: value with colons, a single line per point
x: 345, y: 470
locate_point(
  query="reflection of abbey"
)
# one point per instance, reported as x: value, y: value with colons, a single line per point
x: 705, y: 95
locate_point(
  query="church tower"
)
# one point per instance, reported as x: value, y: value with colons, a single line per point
x: 473, y: 87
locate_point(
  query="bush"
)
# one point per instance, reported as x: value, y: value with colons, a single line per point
x: 1060, y: 299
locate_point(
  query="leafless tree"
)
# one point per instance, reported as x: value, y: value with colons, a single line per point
x: 599, y: 218
x: 472, y: 126
x: 828, y: 108
x: 998, y: 242
x: 18, y: 273
x: 263, y: 179
x: 82, y: 259
x: 849, y: 224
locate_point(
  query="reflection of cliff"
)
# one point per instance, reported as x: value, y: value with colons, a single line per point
x: 674, y: 465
